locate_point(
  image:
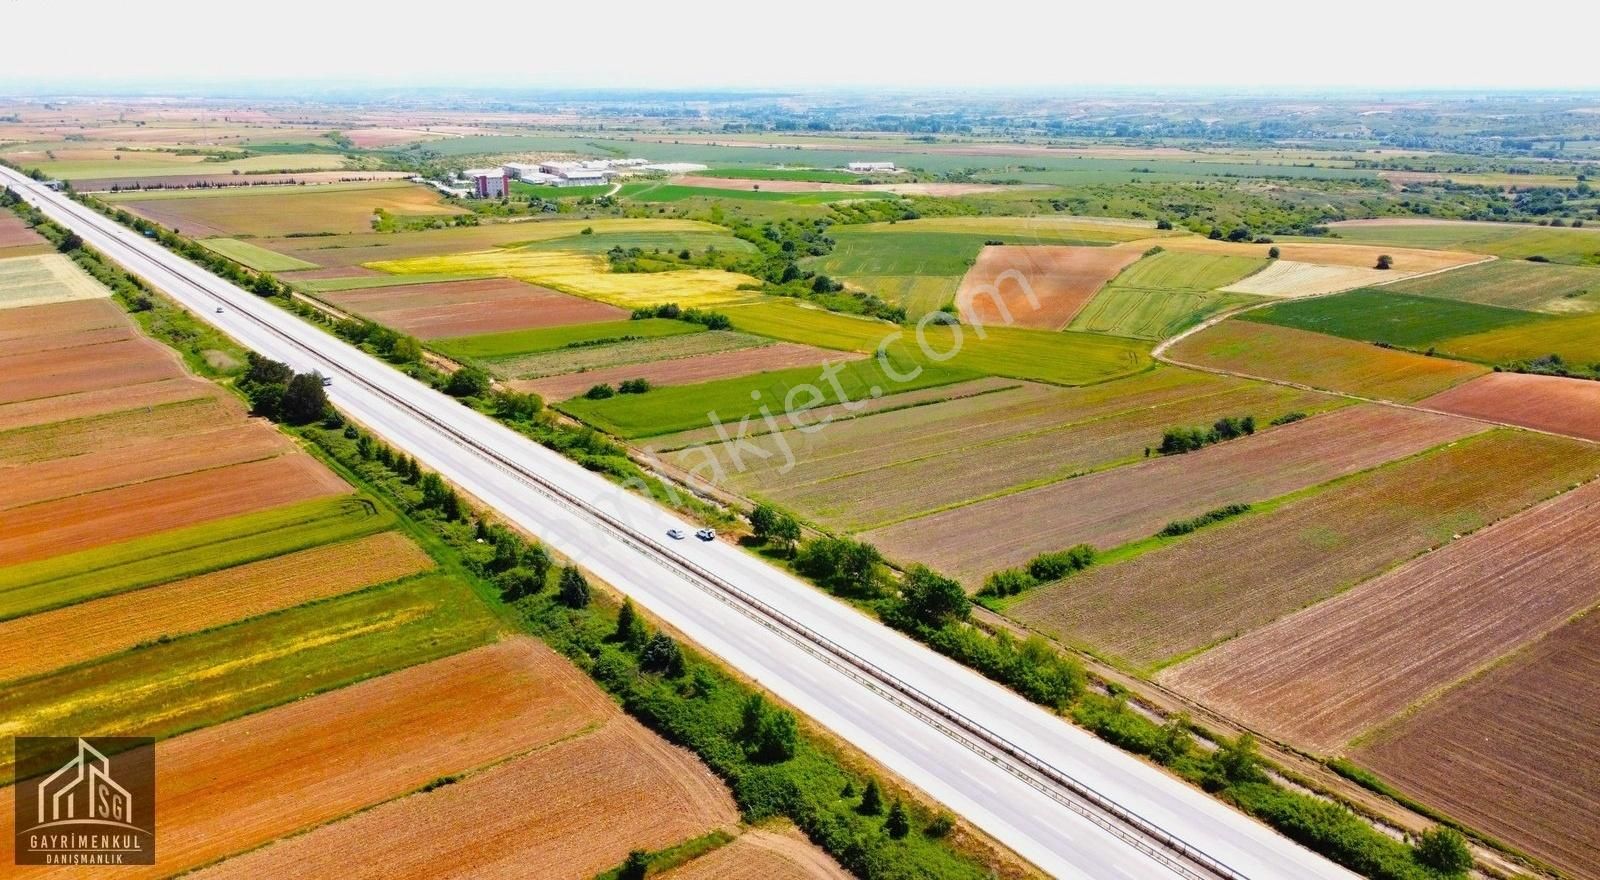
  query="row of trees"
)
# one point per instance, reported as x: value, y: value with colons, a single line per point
x: 1177, y: 441
x: 277, y: 392
x: 1041, y: 569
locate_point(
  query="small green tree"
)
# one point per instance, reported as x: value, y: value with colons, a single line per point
x: 1385, y: 262
x: 1273, y: 252
x: 785, y: 533
x: 871, y: 800
x: 898, y: 824
x: 304, y: 400
x: 574, y: 588
x: 762, y: 519
x: 467, y: 382
x: 634, y: 866
x: 661, y: 654
x: 1444, y: 850
x: 537, y: 560
x: 631, y: 630
x: 932, y: 598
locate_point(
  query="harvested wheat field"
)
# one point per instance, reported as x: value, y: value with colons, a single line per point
x: 1300, y: 356
x: 51, y: 528
x: 760, y: 854
x: 153, y: 458
x: 15, y: 233
x: 96, y: 421
x: 1202, y: 589
x: 74, y: 316
x: 1286, y: 278
x: 239, y: 785
x: 468, y: 308
x: 1544, y: 403
x: 1407, y: 261
x: 71, y: 370
x: 1514, y: 753
x: 1324, y: 675
x: 996, y: 290
x: 264, y: 211
x: 40, y: 343
x: 1111, y: 508
x: 44, y: 279
x: 104, y: 626
x: 566, y: 812
x: 689, y: 370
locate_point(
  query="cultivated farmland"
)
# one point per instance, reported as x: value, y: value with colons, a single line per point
x: 1320, y: 677
x: 1166, y: 293
x: 1288, y: 279
x: 1289, y: 355
x: 691, y: 369
x: 1202, y: 589
x: 1514, y: 284
x: 1112, y: 508
x: 276, y: 211
x: 1514, y: 751
x: 467, y: 308
x: 1041, y: 287
x: 1508, y: 240
x: 47, y: 278
x: 16, y: 234
x: 762, y: 855
x: 1576, y: 340
x: 1544, y: 403
x: 555, y: 813
x: 514, y: 343
x: 1394, y: 318
x: 1407, y: 261
x: 253, y: 256
x: 578, y: 358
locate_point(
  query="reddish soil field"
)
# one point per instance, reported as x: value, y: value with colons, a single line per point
x: 1514, y: 753
x: 71, y: 370
x: 43, y: 342
x: 467, y: 308
x: 44, y: 411
x: 1062, y: 277
x: 1113, y: 507
x: 1201, y: 590
x: 83, y: 632
x: 1322, y: 676
x: 152, y: 458
x: 51, y: 528
x: 567, y: 812
x: 763, y: 855
x: 15, y: 233
x: 73, y: 316
x: 687, y: 370
x: 1545, y: 403
x: 231, y: 788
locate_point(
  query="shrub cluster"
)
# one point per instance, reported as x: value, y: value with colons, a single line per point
x: 1177, y: 441
x: 1185, y: 526
x: 708, y: 320
x: 1041, y: 569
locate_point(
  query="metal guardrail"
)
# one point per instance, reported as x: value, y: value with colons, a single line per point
x: 1140, y: 833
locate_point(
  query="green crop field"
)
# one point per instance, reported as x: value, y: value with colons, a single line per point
x: 365, y: 282
x: 1576, y: 340
x: 180, y: 553
x: 685, y: 407
x: 1153, y: 314
x: 634, y: 351
x: 1371, y: 315
x: 1181, y: 270
x: 601, y: 241
x: 194, y: 681
x: 512, y: 343
x: 672, y: 192
x: 1067, y: 358
x: 1512, y: 241
x: 1514, y: 284
x: 258, y: 258
x: 558, y: 192
x: 804, y: 175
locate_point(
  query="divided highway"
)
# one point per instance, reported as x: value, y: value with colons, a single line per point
x: 1058, y: 796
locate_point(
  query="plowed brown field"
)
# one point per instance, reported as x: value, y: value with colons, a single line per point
x: 71, y: 370
x: 465, y: 308
x: 153, y: 458
x: 1063, y: 278
x: 83, y: 632
x: 109, y: 431
x: 239, y: 785
x: 83, y: 404
x: 762, y: 855
x: 1545, y: 403
x: 67, y: 317
x: 687, y: 370
x: 1203, y: 589
x: 1515, y: 753
x: 1322, y: 676
x: 563, y: 813
x: 76, y: 339
x: 1407, y: 261
x: 51, y: 528
x: 1113, y: 507
x: 15, y: 233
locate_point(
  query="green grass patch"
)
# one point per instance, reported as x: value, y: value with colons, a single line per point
x: 804, y: 175
x: 683, y: 407
x: 672, y: 192
x: 365, y: 282
x: 1142, y: 313
x: 671, y: 241
x: 512, y: 343
x: 1512, y: 241
x: 545, y: 191
x: 1179, y: 270
x: 254, y: 257
x: 1513, y: 284
x: 196, y: 681
x: 1576, y: 340
x: 1397, y: 319
x: 180, y: 553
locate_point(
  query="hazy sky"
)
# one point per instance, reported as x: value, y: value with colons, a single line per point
x: 1394, y: 44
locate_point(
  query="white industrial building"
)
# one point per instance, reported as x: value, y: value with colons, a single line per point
x: 867, y: 167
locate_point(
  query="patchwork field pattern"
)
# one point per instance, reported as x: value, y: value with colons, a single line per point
x: 253, y: 256
x: 1302, y: 357
x: 616, y: 354
x: 1114, y: 507
x: 871, y: 471
x: 1041, y: 287
x: 1203, y: 589
x: 1407, y: 261
x: 554, y: 813
x: 1393, y: 318
x: 43, y: 279
x: 1576, y: 340
x: 15, y: 233
x: 278, y: 211
x: 1512, y: 752
x: 565, y: 338
x: 762, y: 855
x: 1544, y: 403
x: 1514, y: 284
x: 1508, y: 240
x: 1166, y: 293
x: 467, y: 308
x: 1289, y: 279
x: 1320, y: 677
x: 691, y: 369
x: 228, y: 789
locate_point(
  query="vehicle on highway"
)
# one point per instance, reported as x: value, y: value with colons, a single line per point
x: 326, y: 381
x: 675, y: 534
x: 706, y: 534
x: 219, y: 310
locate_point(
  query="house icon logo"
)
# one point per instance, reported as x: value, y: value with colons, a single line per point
x: 85, y: 801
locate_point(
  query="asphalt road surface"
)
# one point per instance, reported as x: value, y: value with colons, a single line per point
x: 1058, y: 796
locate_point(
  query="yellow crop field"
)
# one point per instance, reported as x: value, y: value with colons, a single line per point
x: 46, y: 278
x: 586, y: 275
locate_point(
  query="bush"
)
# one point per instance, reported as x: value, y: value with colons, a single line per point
x: 1007, y: 582
x: 841, y: 565
x: 600, y: 392
x: 467, y: 382
x: 932, y: 598
x: 662, y: 655
x: 1385, y: 262
x: 1444, y: 850
x: 574, y: 588
x: 1185, y: 526
x: 1048, y: 567
x: 634, y: 386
